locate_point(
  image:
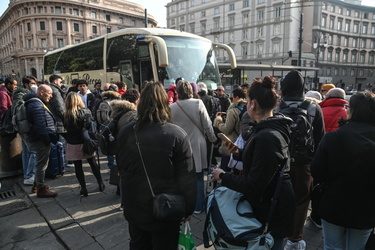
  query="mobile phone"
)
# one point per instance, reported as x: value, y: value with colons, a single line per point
x: 224, y: 138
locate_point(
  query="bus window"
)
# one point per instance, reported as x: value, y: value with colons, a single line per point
x: 126, y: 73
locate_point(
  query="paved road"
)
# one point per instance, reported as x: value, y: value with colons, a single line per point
x: 70, y: 221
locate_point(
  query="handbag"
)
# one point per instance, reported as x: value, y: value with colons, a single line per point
x: 166, y: 206
x: 186, y: 238
x: 90, y: 142
x: 114, y: 177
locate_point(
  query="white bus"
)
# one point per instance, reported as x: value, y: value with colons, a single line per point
x: 137, y: 54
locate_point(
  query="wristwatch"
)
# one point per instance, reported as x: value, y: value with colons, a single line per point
x: 221, y: 175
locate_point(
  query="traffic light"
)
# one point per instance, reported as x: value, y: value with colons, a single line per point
x: 290, y: 53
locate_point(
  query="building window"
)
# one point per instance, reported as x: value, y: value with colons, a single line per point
x: 338, y: 41
x: 337, y: 56
x: 346, y: 41
x: 182, y: 27
x: 245, y: 4
x: 324, y: 20
x: 231, y: 36
x: 76, y: 27
x: 365, y: 15
x: 278, y: 12
x: 28, y: 26
x: 57, y: 10
x: 245, y: 18
x: 231, y: 6
x: 354, y: 58
x: 276, y: 47
x: 352, y: 72
x: 355, y: 28
x: 94, y: 29
x: 324, y: 6
x: 191, y: 3
x: 356, y: 14
x: 336, y: 72
x: 173, y: 21
x: 42, y: 25
x: 354, y: 44
x: 344, y: 72
x: 121, y: 20
x: 77, y: 41
x: 261, y: 1
x: 182, y: 6
x: 182, y: 18
x: 364, y: 29
x: 328, y: 71
x: 40, y: 9
x: 59, y: 26
x: 192, y: 28
x: 260, y: 32
x: 25, y: 11
x: 371, y: 59
x: 29, y: 43
x: 93, y: 14
x: 329, y: 56
x: 108, y: 18
x: 43, y: 43
x: 108, y: 30
x: 259, y: 49
x: 75, y: 12
x: 203, y: 14
x: 361, y: 72
x: 260, y: 15
x: 333, y: 8
x: 372, y: 44
x: 244, y: 35
x: 347, y: 26
x: 244, y: 50
x: 331, y: 23
x: 345, y: 57
x: 373, y: 29
x: 60, y: 42
x: 217, y: 11
x: 173, y: 9
x: 216, y: 24
x: 192, y: 16
x: 339, y: 25
x: 348, y: 12
x: 231, y: 21
x: 340, y: 10
x: 203, y: 1
x: 362, y: 58
x: 363, y: 43
x: 132, y: 23
x: 203, y: 26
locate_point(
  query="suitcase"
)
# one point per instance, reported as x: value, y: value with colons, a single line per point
x: 56, y: 164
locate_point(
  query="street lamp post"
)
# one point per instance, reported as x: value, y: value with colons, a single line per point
x: 316, y: 46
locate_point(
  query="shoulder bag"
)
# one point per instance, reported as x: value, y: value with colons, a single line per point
x: 90, y: 142
x: 166, y: 206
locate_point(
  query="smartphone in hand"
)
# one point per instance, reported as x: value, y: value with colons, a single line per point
x: 224, y: 138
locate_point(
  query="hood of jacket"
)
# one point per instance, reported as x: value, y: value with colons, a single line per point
x: 333, y: 102
x: 277, y: 122
x: 172, y: 87
x: 29, y: 96
x: 357, y: 138
x: 240, y: 102
x: 120, y: 107
x: 293, y: 86
x: 111, y: 95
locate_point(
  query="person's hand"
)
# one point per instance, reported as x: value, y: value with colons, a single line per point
x: 232, y: 148
x: 216, y: 172
x: 186, y: 219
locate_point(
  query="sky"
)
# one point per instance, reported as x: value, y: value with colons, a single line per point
x: 156, y: 8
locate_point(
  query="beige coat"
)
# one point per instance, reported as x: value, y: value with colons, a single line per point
x: 197, y: 131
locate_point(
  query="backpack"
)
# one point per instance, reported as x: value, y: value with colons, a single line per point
x: 106, y: 137
x: 231, y: 224
x: 103, y: 112
x: 19, y: 118
x: 301, y: 145
x: 6, y: 126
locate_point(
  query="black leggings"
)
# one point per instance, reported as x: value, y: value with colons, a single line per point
x: 94, y: 168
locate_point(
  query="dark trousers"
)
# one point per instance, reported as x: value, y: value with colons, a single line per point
x: 302, y: 184
x: 94, y: 168
x: 41, y: 157
x: 156, y: 240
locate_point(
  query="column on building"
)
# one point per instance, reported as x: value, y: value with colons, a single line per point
x: 50, y: 33
x: 68, y: 31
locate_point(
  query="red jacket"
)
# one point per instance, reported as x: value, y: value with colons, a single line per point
x: 172, y: 94
x: 5, y: 100
x: 333, y: 109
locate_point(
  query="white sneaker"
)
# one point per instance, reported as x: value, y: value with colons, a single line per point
x: 70, y: 164
x: 29, y: 181
x: 299, y: 245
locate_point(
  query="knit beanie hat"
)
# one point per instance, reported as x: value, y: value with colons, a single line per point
x: 328, y: 86
x: 314, y: 94
x: 336, y: 93
x: 292, y: 84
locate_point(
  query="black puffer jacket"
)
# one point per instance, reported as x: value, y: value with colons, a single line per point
x: 168, y: 158
x: 74, y: 131
x: 43, y: 124
x: 264, y: 152
x: 345, y: 162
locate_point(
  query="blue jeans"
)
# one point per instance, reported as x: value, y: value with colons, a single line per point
x: 337, y: 237
x: 28, y: 160
x: 200, y: 192
x: 278, y: 244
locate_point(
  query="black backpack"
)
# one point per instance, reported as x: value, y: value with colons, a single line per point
x: 301, y: 145
x: 107, y: 137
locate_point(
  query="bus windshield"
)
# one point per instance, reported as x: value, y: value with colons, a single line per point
x: 192, y: 59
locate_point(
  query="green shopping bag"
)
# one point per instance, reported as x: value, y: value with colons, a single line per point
x: 186, y: 239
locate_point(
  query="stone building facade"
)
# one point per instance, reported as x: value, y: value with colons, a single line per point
x: 29, y: 29
x: 338, y: 36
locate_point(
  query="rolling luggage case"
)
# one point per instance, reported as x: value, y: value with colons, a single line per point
x: 56, y: 164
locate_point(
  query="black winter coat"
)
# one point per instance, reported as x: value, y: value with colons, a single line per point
x: 167, y: 155
x: 57, y: 106
x: 43, y: 124
x: 345, y: 161
x: 262, y: 156
x: 74, y: 131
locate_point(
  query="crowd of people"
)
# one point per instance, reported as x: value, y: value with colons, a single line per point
x: 176, y: 129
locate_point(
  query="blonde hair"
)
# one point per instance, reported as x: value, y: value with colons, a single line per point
x: 73, y: 103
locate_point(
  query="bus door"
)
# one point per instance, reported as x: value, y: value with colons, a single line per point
x: 145, y: 71
x: 126, y: 73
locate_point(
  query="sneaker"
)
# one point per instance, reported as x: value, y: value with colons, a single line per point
x: 317, y: 223
x: 44, y: 192
x: 122, y: 207
x: 70, y: 164
x: 299, y: 245
x: 198, y: 212
x: 29, y: 181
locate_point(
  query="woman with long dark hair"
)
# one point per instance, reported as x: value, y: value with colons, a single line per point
x: 77, y: 117
x: 166, y: 153
x: 344, y: 167
x: 263, y: 155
